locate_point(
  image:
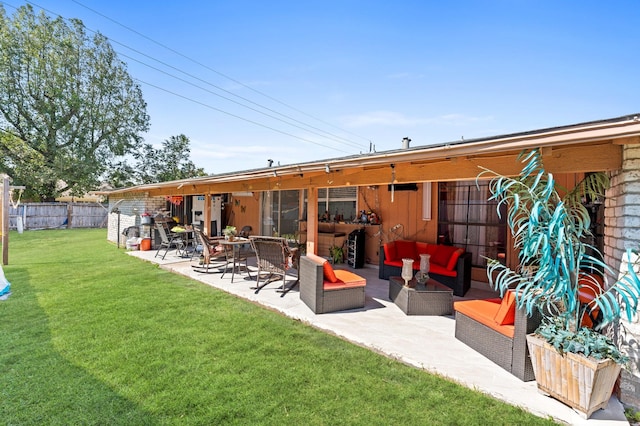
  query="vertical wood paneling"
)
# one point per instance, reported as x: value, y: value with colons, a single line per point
x: 245, y: 211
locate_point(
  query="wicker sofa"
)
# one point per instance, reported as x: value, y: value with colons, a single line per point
x: 497, y: 329
x: 450, y: 265
x: 324, y: 289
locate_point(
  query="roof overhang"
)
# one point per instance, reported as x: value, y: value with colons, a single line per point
x: 582, y: 147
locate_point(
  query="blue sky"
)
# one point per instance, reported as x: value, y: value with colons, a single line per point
x: 365, y: 72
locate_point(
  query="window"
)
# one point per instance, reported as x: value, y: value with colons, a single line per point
x: 467, y: 219
x: 280, y: 212
x: 338, y: 203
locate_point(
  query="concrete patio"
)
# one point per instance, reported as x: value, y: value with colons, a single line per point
x: 425, y: 342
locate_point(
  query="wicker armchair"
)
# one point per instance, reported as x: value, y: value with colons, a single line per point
x: 509, y: 352
x: 211, y: 254
x: 273, y: 257
x: 321, y: 296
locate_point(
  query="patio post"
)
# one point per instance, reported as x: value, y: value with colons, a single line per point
x: 207, y: 216
x: 5, y: 219
x: 312, y: 220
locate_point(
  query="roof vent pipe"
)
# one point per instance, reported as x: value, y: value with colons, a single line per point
x: 405, y: 143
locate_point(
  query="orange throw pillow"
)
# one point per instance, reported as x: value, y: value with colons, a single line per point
x: 506, y: 315
x: 329, y: 274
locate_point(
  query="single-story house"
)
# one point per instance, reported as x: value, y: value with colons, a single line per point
x: 422, y: 193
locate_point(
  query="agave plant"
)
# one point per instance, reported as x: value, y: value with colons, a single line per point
x: 549, y: 232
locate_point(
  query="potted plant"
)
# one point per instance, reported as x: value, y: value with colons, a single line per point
x: 337, y: 254
x: 555, y: 264
x: 230, y: 232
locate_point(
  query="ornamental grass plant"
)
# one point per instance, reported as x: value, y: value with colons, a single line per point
x: 91, y: 335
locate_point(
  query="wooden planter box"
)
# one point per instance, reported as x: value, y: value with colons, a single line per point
x: 584, y: 384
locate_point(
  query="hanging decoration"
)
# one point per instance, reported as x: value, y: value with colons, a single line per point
x: 176, y: 200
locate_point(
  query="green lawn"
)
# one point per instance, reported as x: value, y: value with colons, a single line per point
x: 93, y: 336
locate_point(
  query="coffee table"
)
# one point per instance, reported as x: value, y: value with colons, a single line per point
x: 432, y: 299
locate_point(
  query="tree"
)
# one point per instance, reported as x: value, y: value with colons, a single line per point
x: 68, y: 106
x: 171, y: 162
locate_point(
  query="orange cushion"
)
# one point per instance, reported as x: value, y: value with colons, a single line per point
x: 443, y: 254
x: 406, y: 250
x: 328, y: 285
x: 349, y: 278
x: 586, y: 318
x: 589, y: 286
x: 346, y: 279
x: 390, y: 251
x: 507, y: 313
x: 453, y: 260
x: 480, y: 309
x: 484, y: 311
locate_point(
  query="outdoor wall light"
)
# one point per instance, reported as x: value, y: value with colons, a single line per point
x: 327, y: 169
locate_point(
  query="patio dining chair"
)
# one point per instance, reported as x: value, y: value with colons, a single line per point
x: 211, y: 253
x: 168, y: 240
x: 245, y: 231
x: 273, y: 257
x: 198, y: 246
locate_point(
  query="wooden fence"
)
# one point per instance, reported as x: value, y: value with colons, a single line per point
x: 58, y: 215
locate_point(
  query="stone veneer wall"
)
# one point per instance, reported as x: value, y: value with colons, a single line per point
x: 131, y: 207
x: 622, y: 231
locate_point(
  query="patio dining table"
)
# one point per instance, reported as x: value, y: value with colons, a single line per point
x: 188, y: 241
x: 235, y: 259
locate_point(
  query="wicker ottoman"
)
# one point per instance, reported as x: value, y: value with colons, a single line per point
x: 434, y: 299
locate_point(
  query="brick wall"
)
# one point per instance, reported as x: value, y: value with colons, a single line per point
x: 131, y: 207
x: 622, y: 231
